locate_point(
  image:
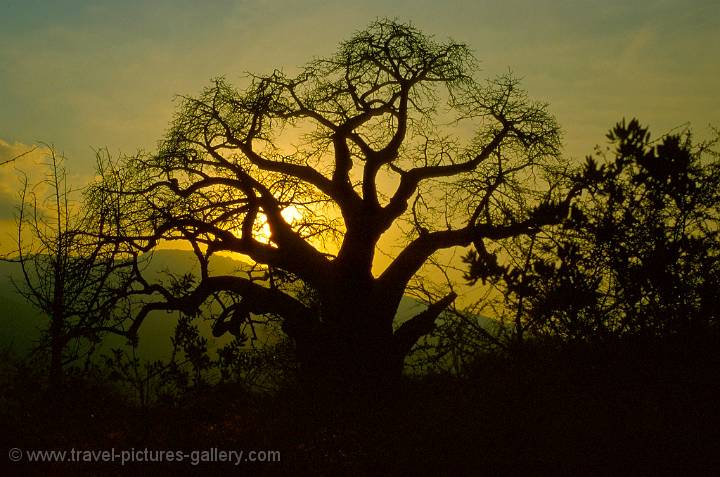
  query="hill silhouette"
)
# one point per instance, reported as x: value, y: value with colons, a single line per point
x: 22, y: 324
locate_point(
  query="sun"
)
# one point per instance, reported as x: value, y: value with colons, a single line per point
x: 291, y: 214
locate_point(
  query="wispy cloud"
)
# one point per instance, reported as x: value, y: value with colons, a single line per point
x: 103, y: 73
x: 16, y: 159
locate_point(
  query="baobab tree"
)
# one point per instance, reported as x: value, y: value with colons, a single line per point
x: 304, y: 174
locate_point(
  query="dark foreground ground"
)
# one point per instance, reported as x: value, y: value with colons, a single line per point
x: 624, y: 409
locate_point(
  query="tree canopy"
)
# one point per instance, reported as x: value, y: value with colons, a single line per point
x: 639, y: 255
x: 77, y: 281
x: 304, y: 174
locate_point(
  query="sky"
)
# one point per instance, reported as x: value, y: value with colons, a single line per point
x: 84, y: 75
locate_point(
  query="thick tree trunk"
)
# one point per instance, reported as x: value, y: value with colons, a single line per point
x: 351, y: 350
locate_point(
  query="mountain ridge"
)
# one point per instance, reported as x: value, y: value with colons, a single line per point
x: 22, y: 324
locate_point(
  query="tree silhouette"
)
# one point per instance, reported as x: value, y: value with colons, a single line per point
x: 640, y: 253
x: 75, y: 279
x: 304, y: 174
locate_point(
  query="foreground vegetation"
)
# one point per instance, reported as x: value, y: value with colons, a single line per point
x: 626, y: 407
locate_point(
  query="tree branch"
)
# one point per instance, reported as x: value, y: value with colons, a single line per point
x: 421, y: 324
x: 256, y: 298
x: 409, y: 180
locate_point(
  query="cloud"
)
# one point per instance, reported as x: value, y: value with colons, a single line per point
x: 7, y: 205
x: 30, y: 164
x: 19, y: 162
x: 10, y: 153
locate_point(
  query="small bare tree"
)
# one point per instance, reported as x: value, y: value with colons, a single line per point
x: 69, y: 274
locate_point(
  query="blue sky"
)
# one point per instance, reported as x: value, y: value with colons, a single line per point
x: 89, y: 74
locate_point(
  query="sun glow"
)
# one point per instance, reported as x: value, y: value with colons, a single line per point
x: 291, y: 214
